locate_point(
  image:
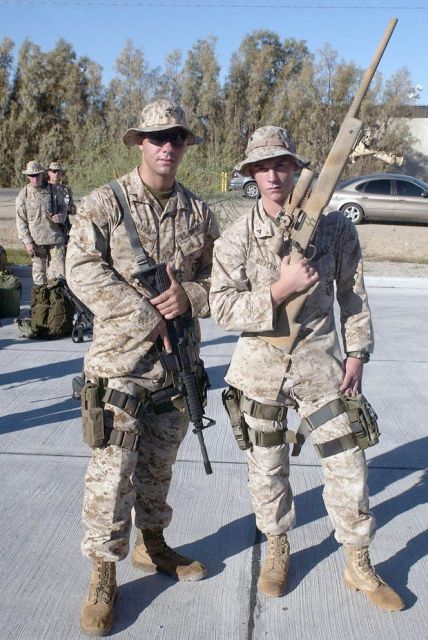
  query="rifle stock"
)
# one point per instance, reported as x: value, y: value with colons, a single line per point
x: 303, y: 212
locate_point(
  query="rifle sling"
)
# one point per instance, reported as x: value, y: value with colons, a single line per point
x: 140, y: 254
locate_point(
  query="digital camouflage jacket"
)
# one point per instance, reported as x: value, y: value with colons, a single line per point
x: 100, y: 262
x: 34, y: 208
x: 246, y: 262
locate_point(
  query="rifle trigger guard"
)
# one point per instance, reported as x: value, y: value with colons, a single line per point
x: 210, y: 422
x: 297, y: 246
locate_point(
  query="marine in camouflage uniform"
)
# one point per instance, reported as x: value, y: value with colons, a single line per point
x: 55, y: 176
x: 176, y: 227
x: 40, y: 215
x: 251, y: 277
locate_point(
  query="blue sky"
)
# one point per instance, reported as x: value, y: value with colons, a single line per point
x: 99, y: 28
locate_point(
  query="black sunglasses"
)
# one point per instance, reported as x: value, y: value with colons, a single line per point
x: 55, y: 170
x: 176, y: 138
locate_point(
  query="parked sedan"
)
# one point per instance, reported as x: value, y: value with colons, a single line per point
x: 382, y: 196
x: 245, y: 184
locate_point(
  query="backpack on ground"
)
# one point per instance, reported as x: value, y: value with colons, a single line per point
x: 51, y: 312
x: 10, y: 294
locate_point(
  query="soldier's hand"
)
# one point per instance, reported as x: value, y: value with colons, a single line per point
x: 351, y: 384
x: 294, y: 278
x: 31, y: 249
x: 56, y: 218
x: 174, y: 301
x: 160, y: 332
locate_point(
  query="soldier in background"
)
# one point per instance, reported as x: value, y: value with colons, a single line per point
x: 252, y: 277
x: 40, y: 216
x: 55, y: 176
x: 131, y: 467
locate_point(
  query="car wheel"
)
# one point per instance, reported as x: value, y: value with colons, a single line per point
x: 251, y: 190
x: 354, y: 212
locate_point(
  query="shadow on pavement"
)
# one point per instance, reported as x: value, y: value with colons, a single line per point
x: 43, y: 372
x: 216, y: 376
x: 213, y: 550
x: 220, y: 340
x: 53, y: 414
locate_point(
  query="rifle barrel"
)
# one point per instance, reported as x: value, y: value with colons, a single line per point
x: 370, y: 71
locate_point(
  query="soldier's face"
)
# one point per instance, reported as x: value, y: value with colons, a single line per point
x: 36, y: 180
x: 162, y: 152
x: 54, y: 176
x: 274, y: 178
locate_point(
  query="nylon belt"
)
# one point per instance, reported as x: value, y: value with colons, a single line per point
x: 132, y: 405
x: 258, y: 410
x: 271, y: 439
x: 338, y: 445
x: 124, y: 439
x: 317, y: 419
x: 322, y: 415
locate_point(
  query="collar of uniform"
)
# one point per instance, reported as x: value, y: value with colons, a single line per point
x: 264, y: 226
x: 138, y: 192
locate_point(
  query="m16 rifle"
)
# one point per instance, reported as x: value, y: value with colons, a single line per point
x: 301, y: 215
x: 184, y: 363
x: 187, y: 369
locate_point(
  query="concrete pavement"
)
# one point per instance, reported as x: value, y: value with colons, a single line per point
x: 43, y: 461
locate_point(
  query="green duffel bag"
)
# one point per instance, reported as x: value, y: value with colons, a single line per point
x: 10, y: 295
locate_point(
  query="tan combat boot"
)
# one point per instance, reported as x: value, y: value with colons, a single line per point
x: 274, y: 571
x: 359, y: 575
x: 151, y: 554
x: 96, y: 615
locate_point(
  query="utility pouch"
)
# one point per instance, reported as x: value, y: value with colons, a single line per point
x: 231, y: 402
x: 363, y: 421
x: 92, y: 415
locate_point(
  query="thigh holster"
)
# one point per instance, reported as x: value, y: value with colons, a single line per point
x: 363, y: 419
x: 237, y: 404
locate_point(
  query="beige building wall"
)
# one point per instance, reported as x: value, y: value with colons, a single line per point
x: 416, y: 160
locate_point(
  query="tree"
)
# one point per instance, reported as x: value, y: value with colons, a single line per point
x: 201, y: 96
x: 257, y: 85
x: 134, y: 85
x: 6, y: 157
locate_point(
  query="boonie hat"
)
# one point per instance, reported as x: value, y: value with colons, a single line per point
x: 160, y: 116
x: 269, y: 142
x: 56, y: 166
x: 33, y: 168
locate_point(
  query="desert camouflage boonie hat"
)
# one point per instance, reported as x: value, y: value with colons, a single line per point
x: 56, y: 166
x: 33, y: 168
x: 160, y: 116
x: 269, y: 142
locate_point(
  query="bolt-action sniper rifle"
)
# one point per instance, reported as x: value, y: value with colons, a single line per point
x: 183, y: 362
x: 301, y: 215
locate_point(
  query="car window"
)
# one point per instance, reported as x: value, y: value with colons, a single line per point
x: 405, y: 188
x: 380, y: 187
